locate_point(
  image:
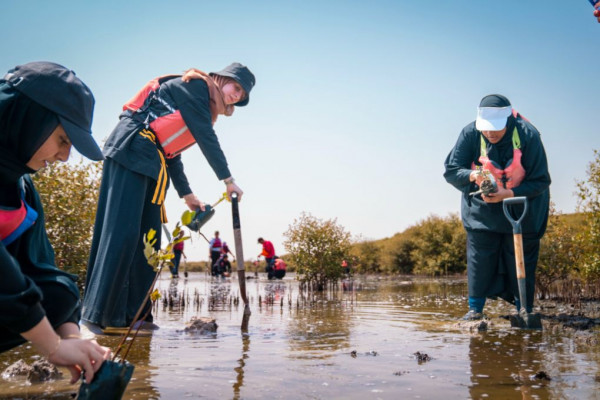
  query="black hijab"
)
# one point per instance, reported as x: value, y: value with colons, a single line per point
x: 24, y: 127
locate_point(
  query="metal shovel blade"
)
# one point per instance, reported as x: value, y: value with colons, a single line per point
x: 525, y: 320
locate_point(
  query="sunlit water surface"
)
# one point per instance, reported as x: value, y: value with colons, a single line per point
x: 358, y: 344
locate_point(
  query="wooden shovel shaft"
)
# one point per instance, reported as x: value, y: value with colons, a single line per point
x: 519, y: 255
x: 520, y: 262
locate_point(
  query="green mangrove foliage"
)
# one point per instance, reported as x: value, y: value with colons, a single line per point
x: 69, y: 193
x: 569, y: 264
x: 589, y: 203
x: 434, y: 246
x: 316, y: 248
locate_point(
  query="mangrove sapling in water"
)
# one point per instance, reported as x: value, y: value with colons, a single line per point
x: 114, y: 375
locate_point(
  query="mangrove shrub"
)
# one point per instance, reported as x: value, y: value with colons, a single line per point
x: 589, y: 203
x: 316, y: 248
x: 69, y: 193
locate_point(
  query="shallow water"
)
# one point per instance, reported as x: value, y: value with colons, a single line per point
x: 344, y: 345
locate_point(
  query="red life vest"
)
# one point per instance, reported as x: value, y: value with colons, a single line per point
x: 170, y: 128
x: 279, y: 265
x: 514, y: 173
x: 14, y: 222
x: 216, y: 245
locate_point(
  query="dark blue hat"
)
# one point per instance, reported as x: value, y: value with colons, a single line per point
x: 60, y: 91
x: 243, y: 76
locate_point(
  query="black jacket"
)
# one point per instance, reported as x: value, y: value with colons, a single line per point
x: 139, y: 154
x: 479, y: 215
x: 24, y: 264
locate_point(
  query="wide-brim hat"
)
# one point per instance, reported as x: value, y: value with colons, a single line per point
x: 58, y: 89
x: 493, y: 113
x: 243, y: 76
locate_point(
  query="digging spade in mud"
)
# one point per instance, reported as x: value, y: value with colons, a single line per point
x: 523, y: 319
x: 239, y: 256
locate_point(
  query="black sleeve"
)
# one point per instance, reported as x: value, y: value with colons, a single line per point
x: 178, y: 177
x: 20, y: 308
x: 193, y: 100
x: 458, y: 163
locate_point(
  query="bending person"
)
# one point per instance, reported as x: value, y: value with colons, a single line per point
x: 143, y: 153
x: 504, y: 144
x: 44, y: 109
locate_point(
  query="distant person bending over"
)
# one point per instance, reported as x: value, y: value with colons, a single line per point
x: 44, y: 110
x: 177, y: 252
x: 268, y: 251
x: 143, y: 154
x: 279, y: 268
x: 214, y: 252
x: 507, y: 146
x: 223, y: 266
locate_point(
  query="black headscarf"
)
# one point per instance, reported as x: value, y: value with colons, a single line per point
x: 24, y: 127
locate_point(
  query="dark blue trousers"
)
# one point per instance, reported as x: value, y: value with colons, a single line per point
x: 491, y: 267
x: 118, y: 275
x: 176, y: 261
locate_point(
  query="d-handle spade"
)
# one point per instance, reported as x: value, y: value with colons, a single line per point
x: 523, y: 319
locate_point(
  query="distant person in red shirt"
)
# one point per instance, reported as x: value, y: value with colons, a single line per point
x: 268, y: 251
x: 597, y: 12
x: 346, y: 267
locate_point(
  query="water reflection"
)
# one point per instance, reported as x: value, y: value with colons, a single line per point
x: 508, y: 365
x: 141, y: 384
x: 219, y: 297
x: 319, y: 326
x: 299, y: 345
x: 274, y: 294
x: 239, y: 381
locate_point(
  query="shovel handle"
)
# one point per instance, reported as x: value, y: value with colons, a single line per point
x: 519, y: 255
x: 239, y: 253
x: 516, y: 224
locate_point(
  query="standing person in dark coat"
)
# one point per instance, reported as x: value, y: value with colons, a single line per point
x: 505, y: 144
x: 44, y: 109
x: 142, y: 154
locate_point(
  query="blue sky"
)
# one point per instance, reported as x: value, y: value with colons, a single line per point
x: 356, y: 104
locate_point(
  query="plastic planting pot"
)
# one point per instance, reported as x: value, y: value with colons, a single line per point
x: 109, y: 382
x: 201, y: 218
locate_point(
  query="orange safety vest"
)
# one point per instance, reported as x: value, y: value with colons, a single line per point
x: 170, y: 128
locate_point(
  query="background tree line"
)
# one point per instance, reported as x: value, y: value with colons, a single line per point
x: 435, y: 246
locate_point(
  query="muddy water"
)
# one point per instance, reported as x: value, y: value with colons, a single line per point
x: 357, y: 344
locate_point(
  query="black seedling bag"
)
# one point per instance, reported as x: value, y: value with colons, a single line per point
x: 109, y: 382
